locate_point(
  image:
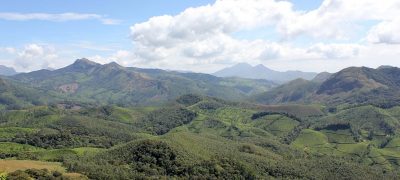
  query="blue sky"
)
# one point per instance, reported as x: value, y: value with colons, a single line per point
x: 14, y: 33
x: 129, y: 12
x: 199, y: 35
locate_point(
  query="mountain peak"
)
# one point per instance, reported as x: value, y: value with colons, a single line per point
x: 84, y: 61
x: 114, y: 65
x: 242, y: 65
x: 81, y: 65
x: 261, y: 66
x: 352, y: 78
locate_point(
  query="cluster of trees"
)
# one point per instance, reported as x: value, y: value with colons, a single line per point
x: 209, y: 105
x: 77, y: 132
x: 50, y: 127
x: 334, y: 126
x: 267, y: 113
x: 60, y: 139
x: 154, y: 159
x: 189, y: 99
x: 163, y: 120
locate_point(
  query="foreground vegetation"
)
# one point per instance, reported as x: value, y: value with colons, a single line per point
x: 201, y: 137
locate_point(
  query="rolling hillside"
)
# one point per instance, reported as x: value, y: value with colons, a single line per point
x: 90, y: 82
x: 206, y: 137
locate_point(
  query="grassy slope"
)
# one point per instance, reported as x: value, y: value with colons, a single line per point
x: 226, y: 130
x: 13, y: 165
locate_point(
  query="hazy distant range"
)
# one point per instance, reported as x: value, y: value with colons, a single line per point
x: 245, y: 70
x: 242, y: 70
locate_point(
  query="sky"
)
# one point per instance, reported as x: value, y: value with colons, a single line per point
x: 201, y: 35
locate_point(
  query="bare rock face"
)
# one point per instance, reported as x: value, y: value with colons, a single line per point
x: 69, y: 88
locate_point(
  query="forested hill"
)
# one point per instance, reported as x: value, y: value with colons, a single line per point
x: 90, y: 82
x: 353, y: 85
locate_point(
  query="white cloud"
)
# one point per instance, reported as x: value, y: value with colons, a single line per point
x: 11, y: 16
x: 34, y: 57
x: 385, y: 32
x: 202, y: 36
x: 336, y: 51
x: 337, y: 19
x: 122, y: 57
x: 9, y: 50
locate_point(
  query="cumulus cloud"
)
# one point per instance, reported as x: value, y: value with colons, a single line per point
x: 385, y: 32
x: 223, y: 17
x: 337, y: 18
x: 202, y: 35
x: 12, y: 16
x: 206, y: 35
x: 35, y: 56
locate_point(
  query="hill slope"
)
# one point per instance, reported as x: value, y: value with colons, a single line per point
x: 14, y: 95
x: 354, y: 85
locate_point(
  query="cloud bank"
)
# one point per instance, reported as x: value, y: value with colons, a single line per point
x: 11, y: 16
x: 204, y: 36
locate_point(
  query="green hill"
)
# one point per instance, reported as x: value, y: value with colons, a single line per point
x: 89, y: 82
x: 354, y: 85
x: 14, y: 95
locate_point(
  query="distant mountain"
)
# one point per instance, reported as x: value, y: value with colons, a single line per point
x: 87, y: 81
x: 245, y: 70
x: 7, y: 71
x: 353, y: 85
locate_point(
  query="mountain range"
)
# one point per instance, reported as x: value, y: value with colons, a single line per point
x: 245, y: 70
x: 87, y: 81
x: 90, y: 82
